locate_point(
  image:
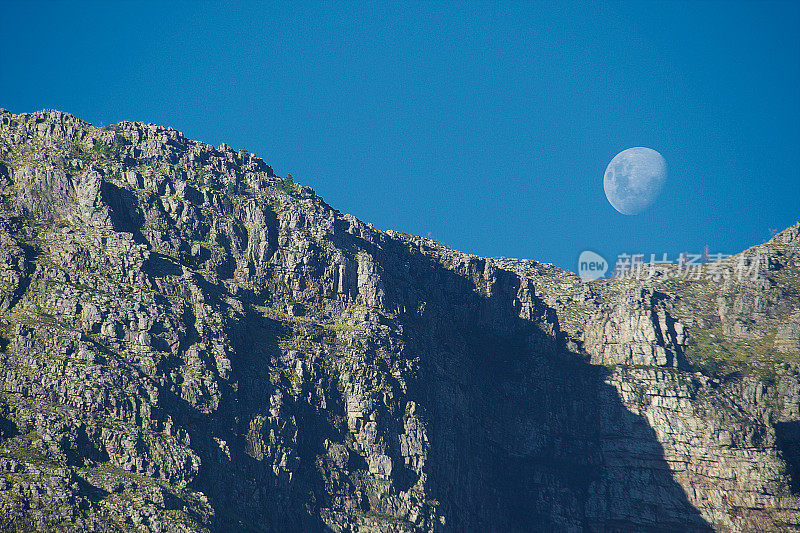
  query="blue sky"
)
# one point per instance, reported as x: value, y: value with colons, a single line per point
x: 487, y: 126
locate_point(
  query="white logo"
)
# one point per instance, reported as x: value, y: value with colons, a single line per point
x: 591, y: 265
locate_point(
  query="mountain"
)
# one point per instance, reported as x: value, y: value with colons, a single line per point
x: 191, y: 343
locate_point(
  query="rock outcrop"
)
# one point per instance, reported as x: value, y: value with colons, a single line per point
x: 189, y: 342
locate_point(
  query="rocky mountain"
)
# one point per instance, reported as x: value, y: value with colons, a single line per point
x: 191, y: 343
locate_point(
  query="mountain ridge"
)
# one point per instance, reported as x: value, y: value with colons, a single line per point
x: 191, y: 342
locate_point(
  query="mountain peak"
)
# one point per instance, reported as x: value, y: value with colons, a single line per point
x: 182, y: 328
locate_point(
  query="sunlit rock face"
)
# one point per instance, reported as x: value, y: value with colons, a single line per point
x: 182, y: 329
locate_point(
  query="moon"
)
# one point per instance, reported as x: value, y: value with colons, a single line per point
x: 634, y: 178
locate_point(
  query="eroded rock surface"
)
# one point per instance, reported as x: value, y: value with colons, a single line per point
x: 190, y: 342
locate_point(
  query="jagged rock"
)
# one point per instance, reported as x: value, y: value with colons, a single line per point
x: 787, y: 339
x: 639, y: 331
x: 190, y: 342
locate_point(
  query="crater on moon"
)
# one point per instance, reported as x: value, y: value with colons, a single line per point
x: 634, y: 178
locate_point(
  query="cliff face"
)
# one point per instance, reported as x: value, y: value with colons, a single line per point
x: 190, y: 342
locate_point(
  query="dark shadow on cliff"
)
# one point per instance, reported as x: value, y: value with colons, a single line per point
x: 524, y: 435
x: 123, y: 210
x: 788, y: 441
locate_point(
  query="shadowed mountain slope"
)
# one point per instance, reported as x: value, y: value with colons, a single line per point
x: 190, y: 343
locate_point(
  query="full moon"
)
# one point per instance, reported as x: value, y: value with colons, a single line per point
x: 634, y: 178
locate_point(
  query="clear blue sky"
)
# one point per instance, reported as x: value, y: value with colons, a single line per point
x: 486, y: 125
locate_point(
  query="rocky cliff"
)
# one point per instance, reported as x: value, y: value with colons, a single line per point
x: 189, y: 342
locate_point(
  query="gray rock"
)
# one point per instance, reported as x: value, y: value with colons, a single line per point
x: 189, y: 342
